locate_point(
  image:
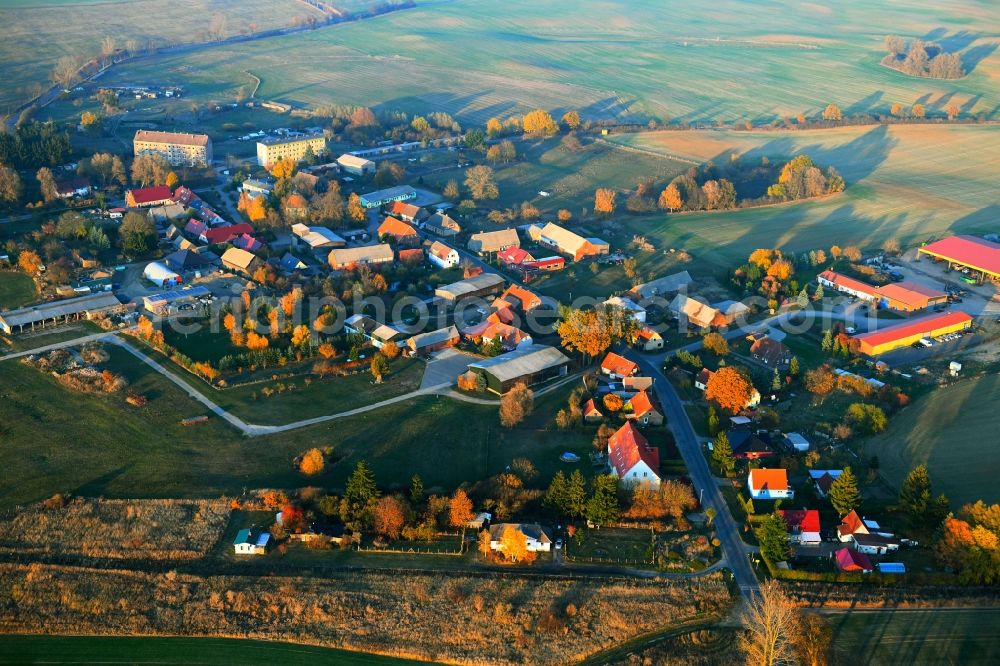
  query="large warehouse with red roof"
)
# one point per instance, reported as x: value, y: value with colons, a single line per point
x: 970, y: 252
x: 892, y: 337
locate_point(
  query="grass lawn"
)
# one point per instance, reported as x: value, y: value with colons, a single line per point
x: 611, y: 544
x: 16, y: 289
x: 96, y: 445
x: 131, y: 650
x: 920, y: 638
x: 947, y: 430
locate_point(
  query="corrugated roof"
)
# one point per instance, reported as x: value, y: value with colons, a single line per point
x: 971, y: 251
x: 368, y: 253
x: 910, y: 294
x: 234, y: 256
x: 433, y: 337
x: 528, y: 360
x: 663, y: 285
x: 470, y: 285
x: 56, y: 309
x: 179, y: 138
x: 493, y: 241
x: 921, y: 326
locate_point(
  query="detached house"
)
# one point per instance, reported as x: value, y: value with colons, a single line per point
x: 641, y: 409
x: 401, y: 231
x: 631, y: 458
x: 769, y: 484
x: 537, y: 538
x: 695, y: 313
x: 406, y: 211
x: 823, y: 479
x: 249, y: 542
x: 771, y: 353
x: 849, y: 560
x: 591, y: 414
x: 442, y: 256
x: 148, y: 196
x: 618, y: 367
x: 515, y: 256
x: 240, y: 261
x: 648, y: 340
x: 803, y: 525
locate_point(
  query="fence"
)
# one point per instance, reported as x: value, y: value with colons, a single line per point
x: 409, y: 551
x: 609, y: 560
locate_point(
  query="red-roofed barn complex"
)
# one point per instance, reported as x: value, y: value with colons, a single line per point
x: 900, y: 335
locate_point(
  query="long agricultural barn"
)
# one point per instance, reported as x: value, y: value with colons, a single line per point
x: 970, y: 252
x: 529, y: 364
x: 57, y: 312
x: 900, y: 335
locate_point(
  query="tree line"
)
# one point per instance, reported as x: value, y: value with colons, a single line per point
x: 920, y: 58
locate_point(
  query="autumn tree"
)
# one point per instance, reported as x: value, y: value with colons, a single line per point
x: 539, y: 122
x: 502, y: 152
x: 833, y: 112
x: 870, y: 418
x: 514, y: 545
x: 571, y: 119
x: 670, y: 198
x: 47, y: 184
x: 29, y: 262
x: 812, y: 639
x: 10, y: 185
x: 730, y: 389
x: 389, y: 517
x: 516, y: 405
x: 844, y: 494
x: 769, y: 627
x: 564, y: 215
x: 494, y: 127
x: 716, y: 344
x: 591, y: 332
x: 460, y: 509
x: 819, y: 381
x: 311, y: 462
x: 613, y: 402
x: 149, y: 170
x: 136, y: 233
x: 918, y: 111
x: 481, y: 184
x: 677, y: 498
x: 953, y: 111
x: 451, y: 189
x: 604, y: 201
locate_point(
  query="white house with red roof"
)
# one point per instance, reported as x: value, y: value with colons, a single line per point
x: 618, y: 367
x: 442, y: 256
x: 769, y: 484
x: 515, y: 256
x: 631, y: 458
x: 846, y: 285
x: 803, y: 525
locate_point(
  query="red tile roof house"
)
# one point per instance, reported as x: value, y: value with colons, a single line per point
x: 406, y: 211
x: 631, y: 458
x: 401, y: 231
x: 514, y: 256
x: 618, y: 367
x: 225, y: 234
x: 849, y: 560
x: 767, y: 484
x: 640, y: 408
x: 591, y: 414
x: 701, y: 381
x: 148, y: 196
x: 771, y: 353
x: 803, y: 525
x: 847, y: 285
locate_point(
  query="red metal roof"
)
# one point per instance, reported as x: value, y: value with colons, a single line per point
x: 909, y: 293
x: 921, y: 326
x: 148, y: 194
x: 807, y: 520
x: 969, y: 251
x: 852, y: 560
x: 225, y: 234
x: 627, y: 447
x: 514, y: 255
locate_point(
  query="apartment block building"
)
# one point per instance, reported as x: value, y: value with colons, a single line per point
x: 178, y: 148
x: 274, y: 148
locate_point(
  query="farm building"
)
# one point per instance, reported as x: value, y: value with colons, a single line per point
x: 480, y: 286
x: 387, y: 196
x: 570, y: 243
x: 631, y: 458
x: 487, y: 242
x: 765, y: 484
x: 273, y: 148
x: 57, y: 312
x: 529, y: 364
x: 538, y: 540
x: 846, y: 285
x: 166, y: 302
x: 384, y: 334
x: 976, y: 254
x: 515, y: 256
x: 358, y: 166
x: 186, y: 260
x: 660, y: 287
x: 405, y: 211
x: 240, y: 261
x: 892, y: 337
x: 369, y: 255
x: 442, y: 256
x: 432, y: 341
x: 248, y: 542
x: 545, y: 264
x: 694, y: 312
x: 145, y: 197
x: 160, y: 275
x: 730, y: 311
x: 178, y: 148
x: 315, y: 238
x: 909, y: 297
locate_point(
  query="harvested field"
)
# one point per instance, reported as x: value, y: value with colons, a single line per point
x: 117, y: 529
x: 454, y: 618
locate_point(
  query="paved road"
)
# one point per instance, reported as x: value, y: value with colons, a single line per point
x: 56, y: 345
x: 704, y: 483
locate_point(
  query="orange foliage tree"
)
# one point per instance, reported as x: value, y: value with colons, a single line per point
x: 389, y: 517
x: 460, y: 509
x: 311, y: 462
x: 29, y: 262
x: 613, y: 402
x: 283, y: 168
x: 256, y: 342
x: 604, y: 201
x: 730, y: 389
x: 670, y: 198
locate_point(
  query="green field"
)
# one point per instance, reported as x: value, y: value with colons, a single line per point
x: 949, y: 430
x: 920, y: 638
x: 38, y: 32
x: 16, y: 289
x: 96, y: 445
x: 669, y: 60
x: 145, y: 650
x: 907, y: 182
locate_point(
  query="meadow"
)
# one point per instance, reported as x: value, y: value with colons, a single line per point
x: 908, y: 182
x: 39, y: 32
x: 16, y: 289
x: 666, y: 60
x: 948, y: 431
x: 97, y: 446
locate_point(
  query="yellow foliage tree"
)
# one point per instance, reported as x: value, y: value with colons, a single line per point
x: 283, y: 168
x: 311, y: 462
x: 571, y: 119
x: 539, y: 122
x: 29, y: 262
x: 604, y: 201
x: 257, y: 210
x: 670, y: 198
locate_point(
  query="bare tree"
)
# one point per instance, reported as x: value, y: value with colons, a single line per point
x: 107, y: 48
x: 65, y: 71
x: 217, y: 28
x: 770, y: 623
x: 132, y: 46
